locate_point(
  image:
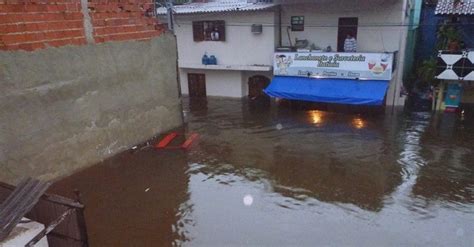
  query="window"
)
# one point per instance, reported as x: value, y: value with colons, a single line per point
x: 209, y: 30
x: 297, y: 23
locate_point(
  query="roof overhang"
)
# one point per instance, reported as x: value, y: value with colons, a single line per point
x: 452, y: 7
x: 216, y: 7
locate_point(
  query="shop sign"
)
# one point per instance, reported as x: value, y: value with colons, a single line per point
x: 365, y: 66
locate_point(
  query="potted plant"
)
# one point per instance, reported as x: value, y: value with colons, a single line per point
x: 449, y: 38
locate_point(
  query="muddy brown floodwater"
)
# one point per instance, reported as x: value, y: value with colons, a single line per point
x: 280, y: 177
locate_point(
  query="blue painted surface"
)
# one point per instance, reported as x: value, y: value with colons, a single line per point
x: 339, y: 91
x: 467, y: 31
x: 428, y: 30
x: 429, y: 27
x: 453, y: 95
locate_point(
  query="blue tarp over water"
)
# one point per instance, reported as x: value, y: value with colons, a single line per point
x: 339, y: 91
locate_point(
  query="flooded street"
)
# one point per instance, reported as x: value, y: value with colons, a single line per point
x: 280, y: 177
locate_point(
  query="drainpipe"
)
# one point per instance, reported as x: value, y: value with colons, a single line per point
x: 169, y: 15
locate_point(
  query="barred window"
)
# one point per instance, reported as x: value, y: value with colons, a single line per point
x: 208, y: 31
x: 297, y: 23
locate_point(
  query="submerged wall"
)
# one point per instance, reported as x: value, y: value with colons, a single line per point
x: 69, y: 107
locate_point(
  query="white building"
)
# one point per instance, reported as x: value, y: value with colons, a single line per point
x: 249, y: 31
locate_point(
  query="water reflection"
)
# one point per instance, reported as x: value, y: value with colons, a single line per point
x: 316, y: 117
x: 368, y: 169
x: 358, y: 122
x: 314, y: 178
x: 140, y: 198
x: 448, y: 180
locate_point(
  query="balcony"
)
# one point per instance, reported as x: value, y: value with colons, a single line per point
x: 255, y: 67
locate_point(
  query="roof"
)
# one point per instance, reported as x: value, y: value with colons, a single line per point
x: 217, y: 6
x: 449, y: 7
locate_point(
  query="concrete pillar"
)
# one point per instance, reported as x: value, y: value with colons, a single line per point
x: 439, y: 99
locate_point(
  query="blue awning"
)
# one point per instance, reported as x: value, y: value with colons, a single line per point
x: 339, y: 91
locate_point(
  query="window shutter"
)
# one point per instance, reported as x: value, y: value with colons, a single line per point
x: 198, y: 31
x: 221, y: 28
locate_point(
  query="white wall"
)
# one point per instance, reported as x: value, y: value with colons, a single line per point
x: 321, y: 21
x: 380, y: 29
x: 225, y: 83
x: 241, y: 47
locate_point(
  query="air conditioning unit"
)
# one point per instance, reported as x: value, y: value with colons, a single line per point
x: 257, y: 28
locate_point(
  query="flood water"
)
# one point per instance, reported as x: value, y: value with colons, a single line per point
x: 281, y: 177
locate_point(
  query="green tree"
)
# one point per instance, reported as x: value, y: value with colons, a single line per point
x: 426, y: 73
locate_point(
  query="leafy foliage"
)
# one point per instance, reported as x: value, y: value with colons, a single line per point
x: 426, y: 73
x: 446, y: 35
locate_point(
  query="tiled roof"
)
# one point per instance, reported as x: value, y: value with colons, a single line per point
x: 452, y: 7
x: 217, y: 6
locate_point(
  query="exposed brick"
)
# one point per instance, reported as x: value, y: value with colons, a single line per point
x: 31, y: 46
x: 36, y: 8
x: 36, y: 24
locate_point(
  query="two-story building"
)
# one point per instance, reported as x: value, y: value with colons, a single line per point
x: 252, y: 39
x: 455, y: 68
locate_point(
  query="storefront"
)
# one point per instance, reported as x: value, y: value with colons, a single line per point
x: 456, y: 72
x: 330, y: 77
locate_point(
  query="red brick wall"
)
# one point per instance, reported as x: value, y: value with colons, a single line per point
x: 35, y: 24
x: 122, y: 20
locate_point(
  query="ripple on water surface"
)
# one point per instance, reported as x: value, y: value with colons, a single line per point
x: 279, y: 177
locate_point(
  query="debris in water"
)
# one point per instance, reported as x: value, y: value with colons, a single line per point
x: 248, y: 200
x: 279, y: 126
x: 134, y: 147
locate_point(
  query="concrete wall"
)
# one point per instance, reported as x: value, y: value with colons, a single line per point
x: 70, y: 107
x: 241, y: 47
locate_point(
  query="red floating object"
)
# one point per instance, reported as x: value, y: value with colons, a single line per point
x: 163, y: 143
x: 189, y: 141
